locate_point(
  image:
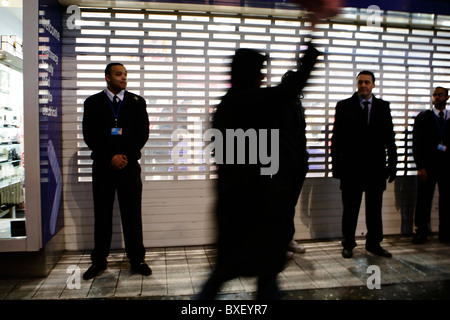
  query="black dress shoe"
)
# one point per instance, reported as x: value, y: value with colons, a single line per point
x: 419, y: 239
x: 347, y: 253
x: 93, y: 271
x: 379, y: 251
x: 141, y: 268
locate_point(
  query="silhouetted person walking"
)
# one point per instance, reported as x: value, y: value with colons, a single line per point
x: 253, y: 232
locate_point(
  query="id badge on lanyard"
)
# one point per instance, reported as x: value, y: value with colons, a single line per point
x: 116, y: 131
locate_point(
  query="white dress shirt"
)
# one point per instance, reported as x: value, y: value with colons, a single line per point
x: 111, y: 95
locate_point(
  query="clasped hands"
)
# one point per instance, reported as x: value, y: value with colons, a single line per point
x: 118, y: 162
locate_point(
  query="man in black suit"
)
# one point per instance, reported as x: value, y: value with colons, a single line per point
x: 431, y: 141
x: 363, y: 135
x: 116, y: 128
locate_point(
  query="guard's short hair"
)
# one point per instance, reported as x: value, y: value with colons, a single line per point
x: 109, y: 66
x: 446, y: 90
x: 367, y: 72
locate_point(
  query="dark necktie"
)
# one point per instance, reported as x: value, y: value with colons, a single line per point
x: 116, y: 103
x: 441, y: 119
x: 366, y: 112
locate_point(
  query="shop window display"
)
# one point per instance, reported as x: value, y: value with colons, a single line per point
x: 12, y: 210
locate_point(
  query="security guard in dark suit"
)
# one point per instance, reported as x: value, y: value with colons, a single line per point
x: 363, y: 137
x: 116, y: 128
x: 431, y: 142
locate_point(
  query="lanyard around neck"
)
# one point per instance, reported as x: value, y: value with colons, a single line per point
x: 116, y: 114
x: 441, y: 130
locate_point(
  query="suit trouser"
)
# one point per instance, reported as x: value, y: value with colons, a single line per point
x: 128, y: 185
x: 351, y: 200
x: 425, y: 194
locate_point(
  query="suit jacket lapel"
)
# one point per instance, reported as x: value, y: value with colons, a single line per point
x: 356, y: 107
x: 126, y: 97
x: 356, y: 103
x: 373, y: 109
